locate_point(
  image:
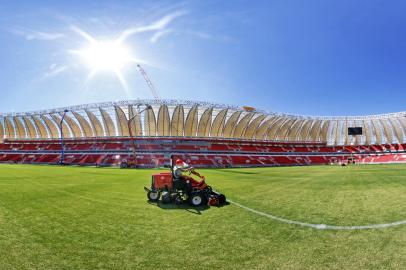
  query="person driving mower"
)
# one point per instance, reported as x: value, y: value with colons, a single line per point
x: 178, y: 187
x: 181, y: 168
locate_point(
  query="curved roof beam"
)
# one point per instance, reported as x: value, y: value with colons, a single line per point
x: 387, y: 131
x: 10, y: 132
x: 19, y: 126
x: 95, y: 123
x: 1, y: 132
x: 121, y: 122
x: 191, y: 122
x: 217, y: 126
x: 273, y: 130
x: 135, y: 123
x: 344, y: 133
x: 84, y: 125
x: 177, y: 123
x: 396, y: 129
x: 284, y: 128
x: 337, y: 132
x: 65, y: 128
x: 261, y: 131
x: 397, y: 126
x: 314, y: 131
x: 163, y: 121
x: 242, y: 125
x: 41, y: 128
x: 323, y: 136
x: 204, y: 125
x: 377, y: 131
x: 230, y: 124
x: 73, y: 126
x: 252, y: 127
x: 305, y: 130
x: 402, y: 121
x: 52, y: 126
x: 32, y: 132
x: 291, y: 135
x: 150, y: 123
x: 367, y: 132
x: 108, y: 124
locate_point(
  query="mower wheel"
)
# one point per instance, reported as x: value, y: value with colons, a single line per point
x: 166, y: 197
x: 197, y: 199
x: 178, y: 199
x: 153, y: 196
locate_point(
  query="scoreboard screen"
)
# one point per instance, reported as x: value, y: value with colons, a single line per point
x: 355, y: 131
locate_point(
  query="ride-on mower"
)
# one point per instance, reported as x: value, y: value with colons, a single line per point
x: 172, y: 187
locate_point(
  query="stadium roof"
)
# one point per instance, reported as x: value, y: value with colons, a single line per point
x: 177, y: 118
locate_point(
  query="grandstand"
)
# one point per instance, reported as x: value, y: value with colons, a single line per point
x: 147, y: 132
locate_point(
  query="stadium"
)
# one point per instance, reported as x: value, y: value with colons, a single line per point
x: 101, y: 168
x: 85, y: 209
x: 145, y: 133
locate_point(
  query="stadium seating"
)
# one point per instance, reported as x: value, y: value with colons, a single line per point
x: 154, y: 152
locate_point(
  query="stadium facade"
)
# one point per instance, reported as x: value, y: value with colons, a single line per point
x: 210, y: 134
x: 172, y: 118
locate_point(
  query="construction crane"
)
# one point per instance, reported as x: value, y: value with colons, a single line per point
x: 148, y: 81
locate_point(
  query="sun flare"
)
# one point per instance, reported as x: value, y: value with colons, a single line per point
x: 100, y: 55
x: 105, y: 55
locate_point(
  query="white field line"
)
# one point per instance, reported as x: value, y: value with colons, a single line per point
x: 320, y: 226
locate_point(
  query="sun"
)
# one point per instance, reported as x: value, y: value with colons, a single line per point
x: 105, y: 55
x: 101, y: 55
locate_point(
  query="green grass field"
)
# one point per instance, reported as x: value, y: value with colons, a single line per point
x: 99, y: 218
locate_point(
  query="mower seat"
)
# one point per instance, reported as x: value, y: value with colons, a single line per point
x: 179, y: 184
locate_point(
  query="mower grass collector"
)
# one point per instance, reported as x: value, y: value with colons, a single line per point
x: 169, y: 189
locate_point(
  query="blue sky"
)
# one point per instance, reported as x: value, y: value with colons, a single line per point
x: 322, y: 57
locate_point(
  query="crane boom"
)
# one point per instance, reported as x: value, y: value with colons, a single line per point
x: 149, y: 82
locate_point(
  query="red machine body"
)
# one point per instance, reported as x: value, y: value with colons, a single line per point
x: 162, y: 180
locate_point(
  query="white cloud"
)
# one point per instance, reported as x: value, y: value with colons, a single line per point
x: 54, y: 70
x: 82, y: 33
x: 159, y: 34
x: 158, y: 25
x: 30, y: 34
x: 198, y: 34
